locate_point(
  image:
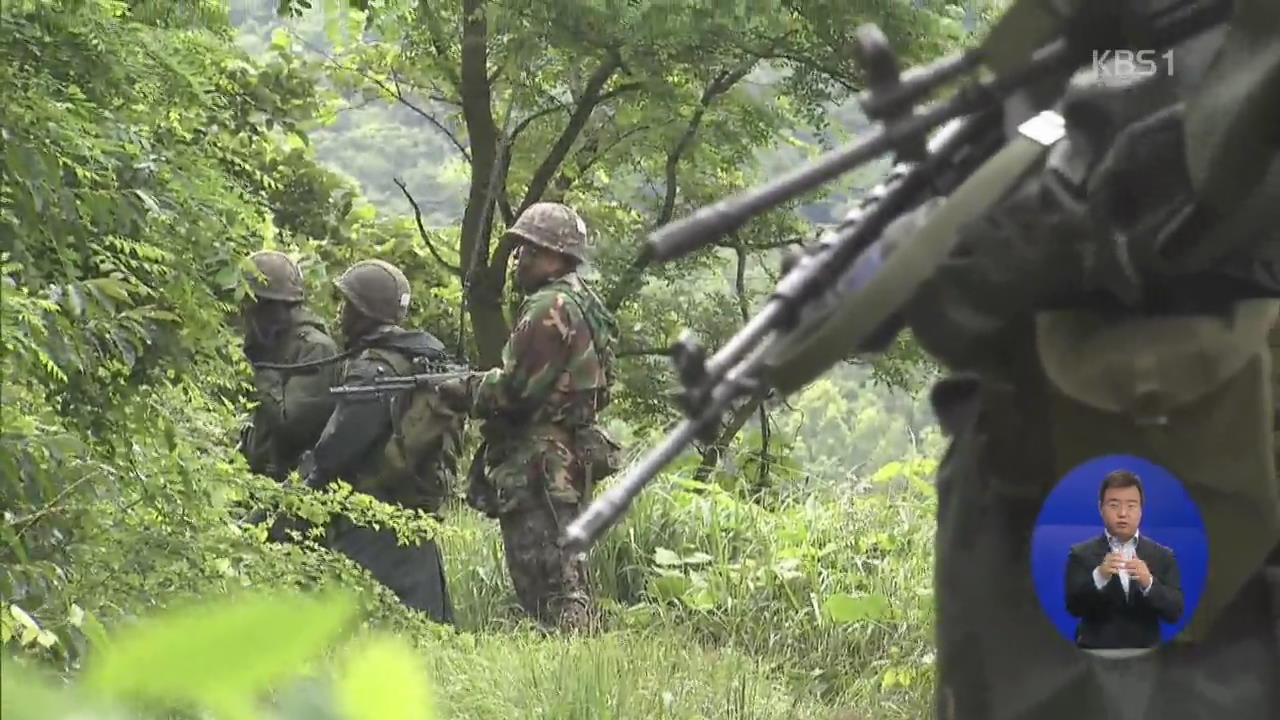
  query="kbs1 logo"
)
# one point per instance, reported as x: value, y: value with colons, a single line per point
x: 1130, y: 64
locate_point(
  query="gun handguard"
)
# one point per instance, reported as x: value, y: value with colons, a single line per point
x: 387, y: 385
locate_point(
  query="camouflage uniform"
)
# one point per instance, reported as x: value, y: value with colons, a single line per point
x: 540, y: 409
x: 352, y: 449
x: 1014, y: 430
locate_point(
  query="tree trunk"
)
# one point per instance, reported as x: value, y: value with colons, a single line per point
x: 483, y: 296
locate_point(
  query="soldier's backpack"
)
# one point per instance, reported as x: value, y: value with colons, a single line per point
x: 419, y: 461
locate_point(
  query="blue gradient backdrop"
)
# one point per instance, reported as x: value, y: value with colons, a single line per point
x: 1070, y: 515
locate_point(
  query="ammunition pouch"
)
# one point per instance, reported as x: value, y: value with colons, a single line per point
x: 598, y: 452
x: 1189, y: 393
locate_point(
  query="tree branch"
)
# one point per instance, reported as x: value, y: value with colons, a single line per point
x: 525, y: 123
x: 720, y: 85
x: 399, y: 95
x: 567, y: 177
x: 392, y: 90
x: 422, y: 230
x: 477, y: 112
x: 740, y: 287
x: 713, y: 452
x: 620, y: 90
x: 577, y: 121
x: 436, y: 35
x: 645, y: 352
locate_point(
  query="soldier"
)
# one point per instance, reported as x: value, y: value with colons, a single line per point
x: 359, y: 443
x: 293, y: 404
x: 544, y: 448
x: 1116, y: 304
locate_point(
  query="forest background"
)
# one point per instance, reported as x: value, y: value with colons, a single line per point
x: 782, y: 571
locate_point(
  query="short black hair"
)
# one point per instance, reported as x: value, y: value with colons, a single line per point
x: 1120, y: 479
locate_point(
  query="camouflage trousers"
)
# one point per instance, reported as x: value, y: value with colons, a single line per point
x: 999, y: 656
x: 550, y: 583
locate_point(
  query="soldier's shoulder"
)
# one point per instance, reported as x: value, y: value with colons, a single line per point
x: 545, y: 300
x: 316, y: 336
x: 372, y: 362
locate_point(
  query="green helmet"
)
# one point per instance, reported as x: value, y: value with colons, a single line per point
x: 377, y: 288
x: 553, y: 226
x: 278, y: 277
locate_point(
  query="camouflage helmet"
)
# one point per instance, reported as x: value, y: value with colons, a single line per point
x: 553, y: 226
x: 277, y: 278
x: 377, y: 288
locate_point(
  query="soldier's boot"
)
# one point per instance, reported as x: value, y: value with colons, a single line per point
x: 1000, y: 657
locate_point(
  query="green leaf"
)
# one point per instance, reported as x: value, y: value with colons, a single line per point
x: 147, y: 200
x: 383, y: 679
x: 110, y: 287
x: 670, y: 585
x: 94, y: 630
x: 663, y: 556
x: 848, y: 609
x: 23, y: 618
x: 219, y: 653
x: 280, y: 39
x: 701, y: 598
x: 46, y: 639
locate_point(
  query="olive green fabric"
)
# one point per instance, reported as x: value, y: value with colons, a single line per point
x: 293, y: 406
x: 419, y: 460
x: 1108, y: 307
x: 1236, y: 107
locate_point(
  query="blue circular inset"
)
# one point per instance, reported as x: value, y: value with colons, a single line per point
x: 1070, y: 515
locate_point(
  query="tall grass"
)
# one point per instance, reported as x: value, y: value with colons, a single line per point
x: 807, y: 603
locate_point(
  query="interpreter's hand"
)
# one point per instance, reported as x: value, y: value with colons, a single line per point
x: 1138, y: 569
x: 1112, y: 564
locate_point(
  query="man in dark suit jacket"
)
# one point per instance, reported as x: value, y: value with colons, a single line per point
x: 1120, y: 584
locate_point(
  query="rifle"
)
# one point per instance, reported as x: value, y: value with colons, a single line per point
x: 383, y: 386
x: 843, y: 296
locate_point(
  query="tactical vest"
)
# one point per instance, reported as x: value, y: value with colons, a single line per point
x: 604, y: 329
x: 419, y: 460
x: 1192, y: 394
x: 600, y: 453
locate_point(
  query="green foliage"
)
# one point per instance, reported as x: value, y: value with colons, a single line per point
x: 145, y: 162
x: 195, y: 659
